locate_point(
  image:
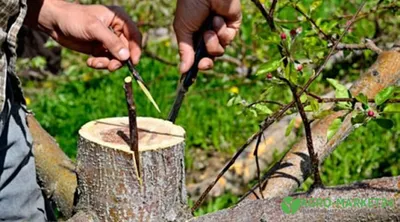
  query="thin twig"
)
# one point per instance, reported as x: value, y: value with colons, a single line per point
x: 331, y: 51
x: 264, y: 12
x: 307, y: 129
x: 265, y: 101
x: 272, y: 9
x: 258, y: 163
x: 352, y: 100
x: 133, y: 131
x: 326, y: 37
x: 369, y: 44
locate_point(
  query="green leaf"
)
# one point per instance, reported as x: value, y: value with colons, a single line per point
x: 384, y: 95
x: 392, y: 108
x: 314, y: 105
x: 268, y: 67
x: 315, y: 5
x: 234, y: 101
x: 340, y: 92
x: 385, y: 123
x: 333, y: 128
x: 303, y: 98
x: 308, y: 108
x: 322, y: 114
x: 290, y: 127
x: 262, y: 108
x: 362, y: 99
x: 359, y: 118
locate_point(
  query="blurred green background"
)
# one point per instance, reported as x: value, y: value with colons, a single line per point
x: 63, y: 103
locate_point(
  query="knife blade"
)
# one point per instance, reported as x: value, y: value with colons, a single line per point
x: 188, y: 78
x: 141, y: 84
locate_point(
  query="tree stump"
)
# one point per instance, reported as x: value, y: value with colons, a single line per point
x: 108, y: 183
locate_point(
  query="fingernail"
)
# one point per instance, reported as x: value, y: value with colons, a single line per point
x: 117, y: 66
x: 182, y: 67
x: 123, y: 54
x: 99, y: 65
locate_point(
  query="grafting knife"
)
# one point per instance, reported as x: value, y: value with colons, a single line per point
x: 188, y: 78
x: 141, y: 83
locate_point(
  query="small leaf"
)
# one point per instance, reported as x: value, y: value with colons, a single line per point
x: 314, y: 105
x: 322, y: 114
x: 234, y: 101
x: 303, y: 98
x: 340, y: 92
x: 290, y: 127
x: 268, y: 67
x: 308, y: 108
x: 362, y: 99
x: 392, y: 108
x: 385, y: 123
x: 384, y: 95
x: 358, y: 119
x: 262, y: 108
x: 333, y: 128
x: 315, y: 5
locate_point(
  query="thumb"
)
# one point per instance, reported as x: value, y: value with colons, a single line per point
x: 186, y: 52
x: 110, y: 41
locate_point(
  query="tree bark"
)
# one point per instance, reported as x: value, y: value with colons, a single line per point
x: 270, y: 209
x: 55, y: 171
x: 109, y: 184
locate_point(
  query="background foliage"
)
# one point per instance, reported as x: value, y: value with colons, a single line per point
x: 64, y: 103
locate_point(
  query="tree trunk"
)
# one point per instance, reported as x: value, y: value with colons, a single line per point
x: 108, y: 180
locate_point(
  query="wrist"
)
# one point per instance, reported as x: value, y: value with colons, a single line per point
x: 42, y: 14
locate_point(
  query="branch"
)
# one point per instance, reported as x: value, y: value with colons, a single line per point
x: 307, y: 129
x: 270, y: 209
x: 289, y: 173
x: 326, y: 37
x: 54, y: 169
x: 267, y: 16
x: 369, y: 44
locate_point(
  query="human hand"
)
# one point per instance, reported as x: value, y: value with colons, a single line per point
x: 86, y: 29
x: 189, y: 17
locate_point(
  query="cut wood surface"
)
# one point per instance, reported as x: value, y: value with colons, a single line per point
x: 108, y: 181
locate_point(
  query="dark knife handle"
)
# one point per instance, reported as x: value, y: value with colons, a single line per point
x: 200, y: 52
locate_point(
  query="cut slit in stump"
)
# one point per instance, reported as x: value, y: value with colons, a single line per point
x: 108, y: 183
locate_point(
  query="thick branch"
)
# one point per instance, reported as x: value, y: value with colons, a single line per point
x: 54, y: 169
x: 270, y: 209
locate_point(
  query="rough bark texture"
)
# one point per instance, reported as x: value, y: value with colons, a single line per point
x: 270, y: 209
x: 289, y: 173
x: 54, y: 169
x: 108, y: 182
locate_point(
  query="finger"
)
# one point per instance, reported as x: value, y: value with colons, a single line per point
x: 230, y: 10
x: 98, y: 62
x: 111, y: 42
x: 134, y: 38
x: 225, y: 34
x: 114, y: 65
x: 213, y: 46
x: 206, y: 63
x: 186, y: 52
